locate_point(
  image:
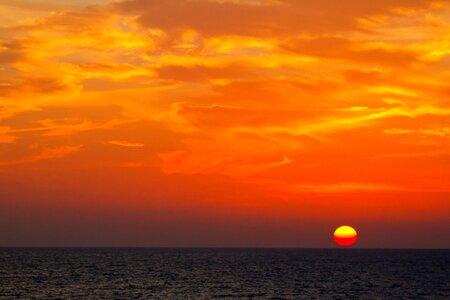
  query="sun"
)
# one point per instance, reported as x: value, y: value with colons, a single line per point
x: 345, y: 235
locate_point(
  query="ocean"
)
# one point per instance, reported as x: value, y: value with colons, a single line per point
x: 176, y: 273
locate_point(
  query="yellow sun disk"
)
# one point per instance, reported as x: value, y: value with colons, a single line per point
x: 345, y: 231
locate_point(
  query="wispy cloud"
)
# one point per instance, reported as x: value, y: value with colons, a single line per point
x: 125, y: 144
x: 43, y: 153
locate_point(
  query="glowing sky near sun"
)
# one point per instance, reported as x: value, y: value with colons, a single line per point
x: 241, y: 123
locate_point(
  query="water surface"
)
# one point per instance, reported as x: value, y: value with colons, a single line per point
x: 107, y: 273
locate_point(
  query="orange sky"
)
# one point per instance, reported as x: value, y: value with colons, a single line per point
x: 257, y: 123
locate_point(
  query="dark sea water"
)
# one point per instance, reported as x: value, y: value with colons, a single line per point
x: 224, y: 273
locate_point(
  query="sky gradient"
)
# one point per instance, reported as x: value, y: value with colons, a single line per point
x: 258, y: 123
